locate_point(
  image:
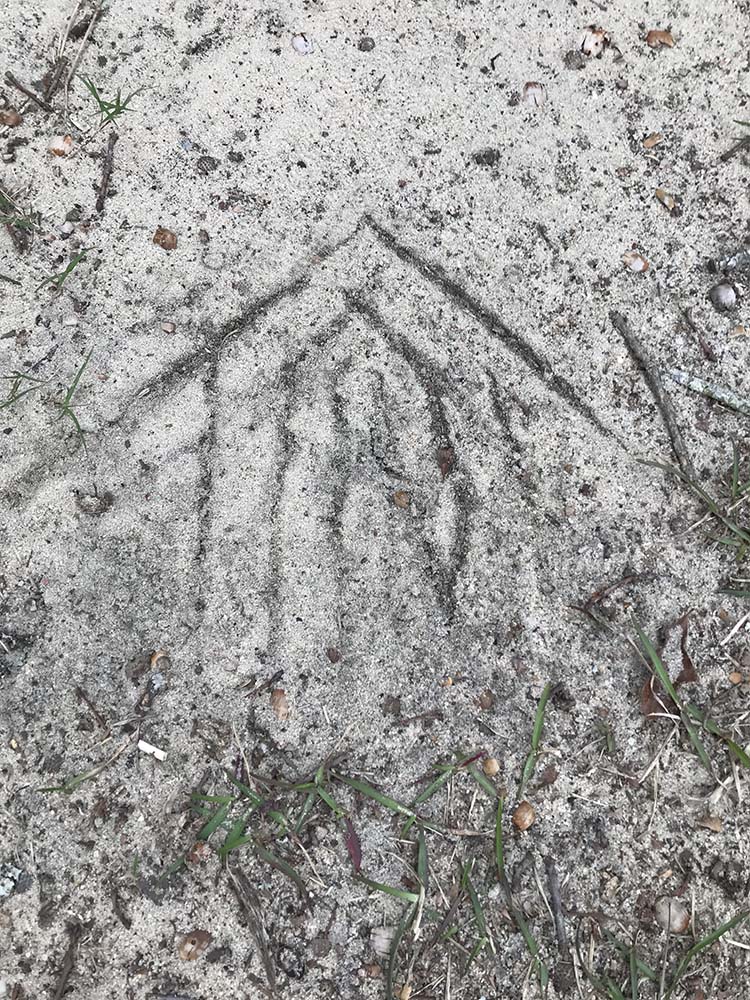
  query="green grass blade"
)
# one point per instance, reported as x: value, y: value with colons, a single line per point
x: 307, y: 807
x: 735, y: 470
x: 633, y: 963
x: 484, y: 782
x: 215, y: 822
x: 376, y: 796
x: 74, y: 384
x: 536, y: 737
x: 390, y: 890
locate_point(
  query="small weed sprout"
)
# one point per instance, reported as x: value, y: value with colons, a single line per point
x: 65, y: 404
x: 58, y: 280
x: 109, y: 111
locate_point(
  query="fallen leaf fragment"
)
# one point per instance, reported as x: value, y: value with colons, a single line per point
x: 446, y: 457
x: 653, y: 140
x: 280, y: 704
x: 200, y: 851
x: 401, y: 499
x: 656, y: 39
x: 635, y: 261
x: 165, y: 238
x: 193, y: 944
x: 711, y: 823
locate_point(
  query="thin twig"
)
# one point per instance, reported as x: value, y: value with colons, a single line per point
x: 109, y: 156
x: 29, y: 93
x: 250, y: 903
x: 708, y: 351
x: 79, y: 53
x: 654, y: 383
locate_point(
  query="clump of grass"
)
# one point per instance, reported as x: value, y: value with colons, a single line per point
x: 18, y: 379
x: 109, y: 111
x: 58, y: 280
x: 536, y: 739
x: 734, y: 535
x: 634, y: 968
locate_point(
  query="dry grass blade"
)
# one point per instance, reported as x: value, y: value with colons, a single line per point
x: 285, y: 868
x: 662, y: 674
x: 250, y: 903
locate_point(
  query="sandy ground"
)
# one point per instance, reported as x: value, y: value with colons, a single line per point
x: 366, y: 434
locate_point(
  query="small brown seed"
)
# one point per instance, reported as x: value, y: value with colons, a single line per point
x: 657, y: 38
x: 165, y: 238
x: 11, y: 118
x: 491, y: 767
x: 401, y: 499
x: 523, y: 815
x: 735, y: 677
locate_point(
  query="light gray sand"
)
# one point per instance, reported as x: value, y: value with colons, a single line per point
x: 401, y: 257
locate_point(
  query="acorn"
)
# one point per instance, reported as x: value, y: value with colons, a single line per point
x: 523, y: 815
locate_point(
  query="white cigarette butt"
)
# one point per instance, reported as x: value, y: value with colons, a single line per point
x: 154, y: 751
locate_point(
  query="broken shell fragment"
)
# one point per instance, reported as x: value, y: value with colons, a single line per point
x: 672, y: 915
x: 381, y: 940
x: 668, y: 200
x: 723, y: 296
x: 534, y: 94
x: 61, y: 145
x: 635, y: 261
x: 302, y: 44
x: 523, y: 815
x: 656, y: 38
x: 193, y: 944
x: 595, y: 40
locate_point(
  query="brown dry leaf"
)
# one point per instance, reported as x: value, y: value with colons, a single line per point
x: 401, y: 499
x: 165, y: 238
x: 711, y: 823
x: 656, y: 38
x: 200, y: 851
x: 280, y: 704
x: 193, y: 944
x: 486, y: 700
x: 654, y: 699
x: 446, y: 457
x: 653, y: 140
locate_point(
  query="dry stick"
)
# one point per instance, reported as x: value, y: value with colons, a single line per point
x: 109, y: 156
x: 564, y: 974
x: 79, y: 53
x: 56, y: 77
x: 654, y: 383
x: 29, y: 93
x: 69, y: 959
x: 718, y: 393
x: 744, y: 143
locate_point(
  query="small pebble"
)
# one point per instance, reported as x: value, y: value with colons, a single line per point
x: 70, y: 321
x: 723, y: 296
x: 366, y: 44
x: 168, y: 327
x: 491, y: 767
x: 735, y: 677
x: 66, y: 229
x: 302, y: 44
x: 672, y: 915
